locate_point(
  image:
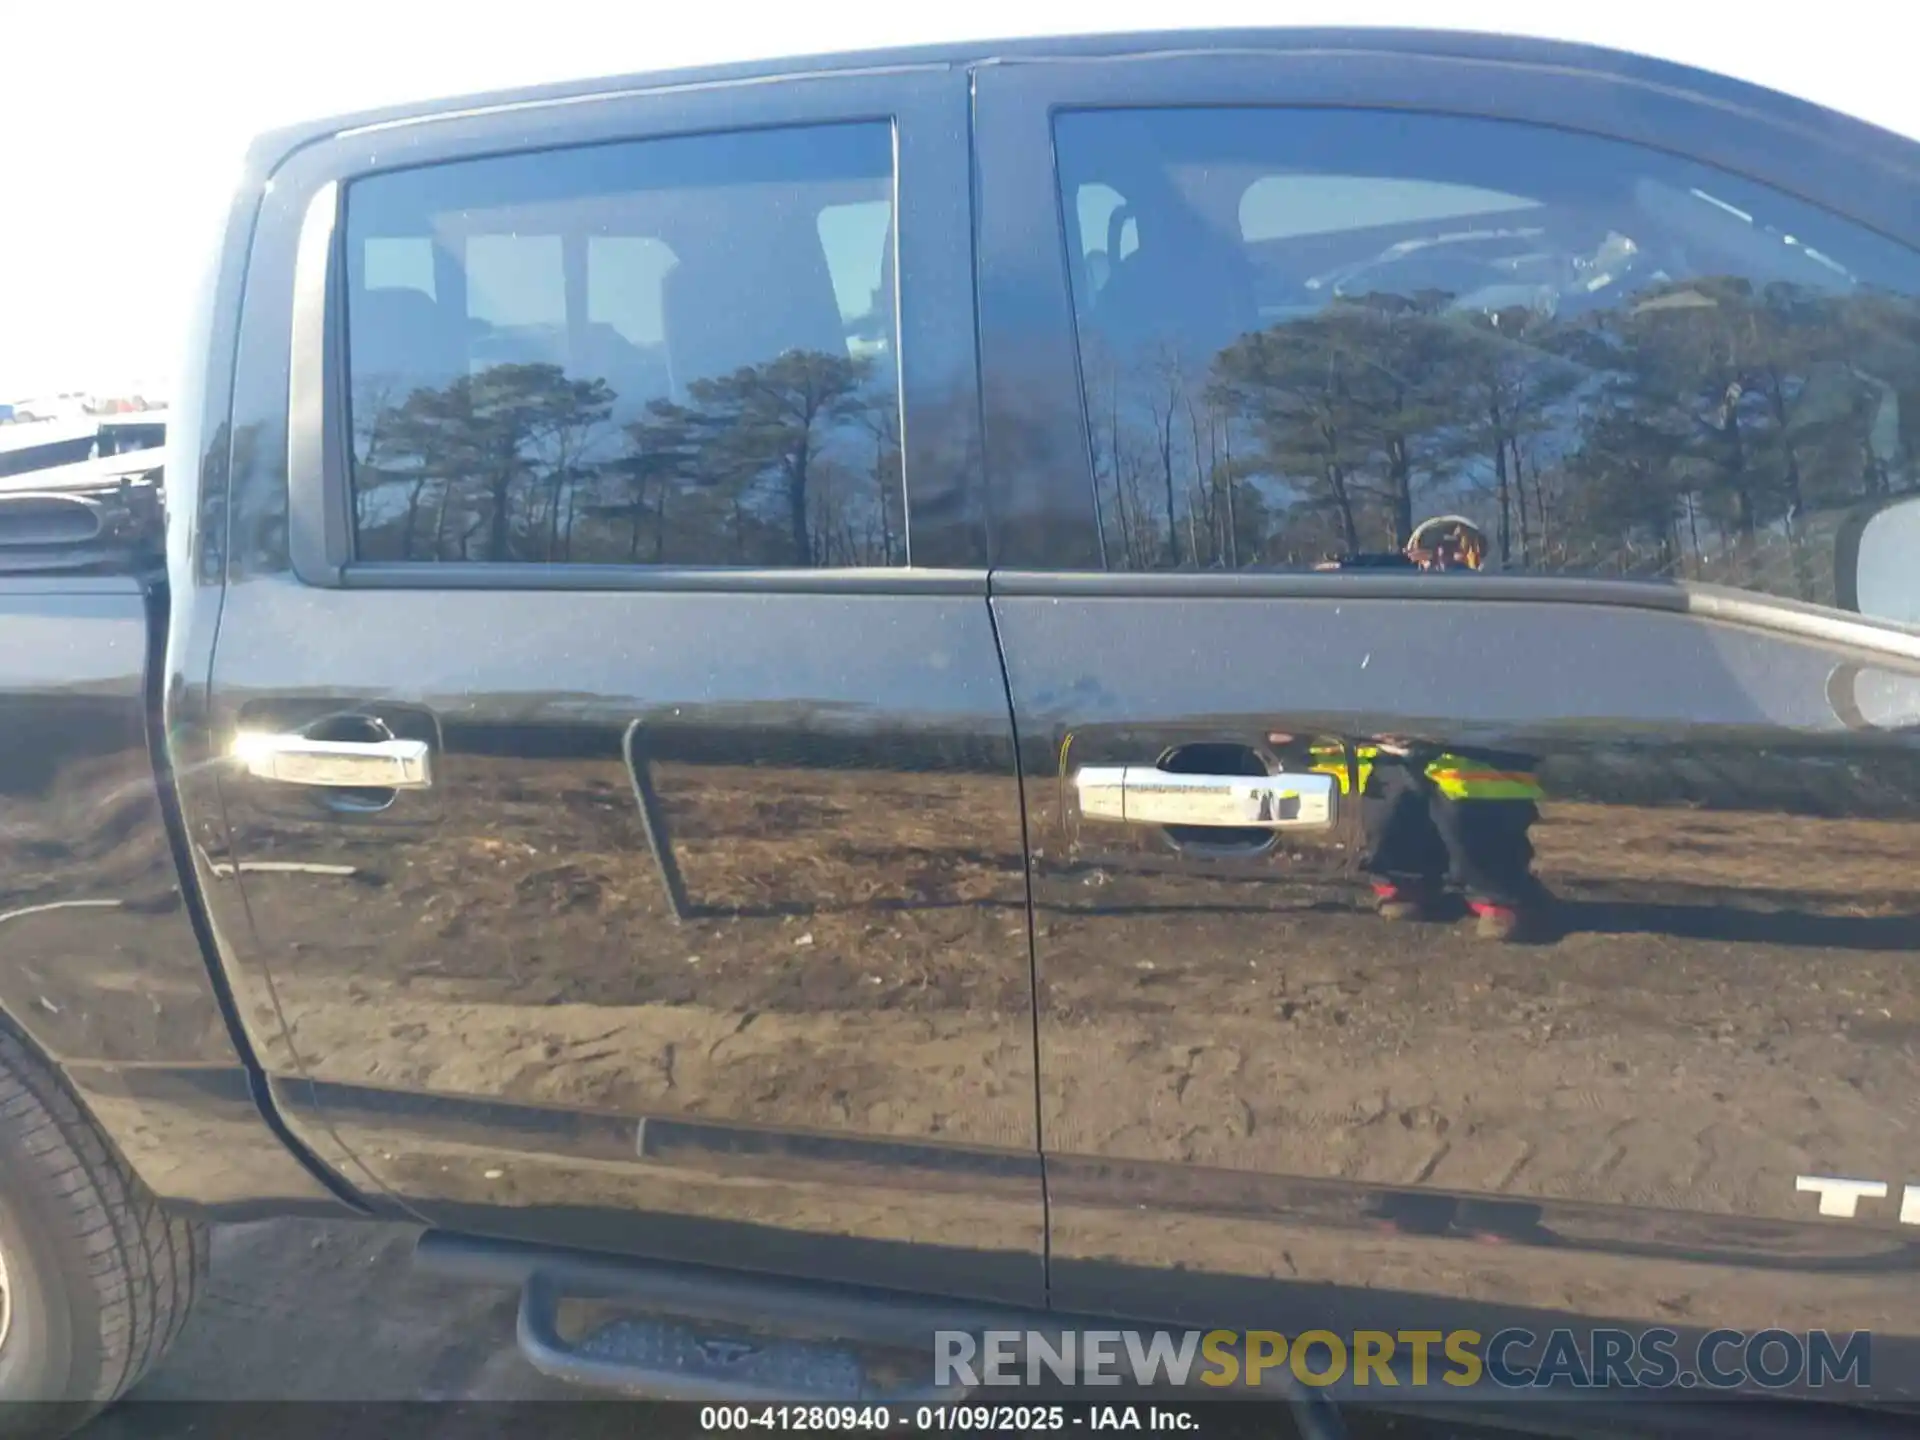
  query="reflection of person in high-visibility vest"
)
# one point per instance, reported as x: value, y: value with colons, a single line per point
x: 1435, y: 815
x: 1446, y: 542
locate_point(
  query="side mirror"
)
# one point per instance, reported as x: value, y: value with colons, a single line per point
x: 1876, y: 569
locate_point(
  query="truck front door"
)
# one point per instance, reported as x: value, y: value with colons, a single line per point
x: 1319, y: 299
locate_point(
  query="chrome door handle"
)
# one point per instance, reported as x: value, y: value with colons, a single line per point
x: 1148, y: 795
x: 372, y: 764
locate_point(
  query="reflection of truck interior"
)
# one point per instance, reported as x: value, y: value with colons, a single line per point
x: 1198, y: 237
x: 639, y: 289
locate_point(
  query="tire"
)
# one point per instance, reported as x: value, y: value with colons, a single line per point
x: 97, y: 1278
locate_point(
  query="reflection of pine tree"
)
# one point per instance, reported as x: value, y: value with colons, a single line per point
x: 502, y: 447
x: 1695, y: 428
x: 794, y: 461
x: 1629, y: 436
x: 770, y: 422
x: 1350, y: 406
x: 1744, y: 408
x: 1166, y: 489
x: 1505, y: 389
x: 661, y: 452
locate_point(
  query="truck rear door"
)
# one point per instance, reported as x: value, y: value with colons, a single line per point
x: 622, y: 841
x: 1246, y: 313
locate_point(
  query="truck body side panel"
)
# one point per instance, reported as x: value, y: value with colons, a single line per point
x: 99, y: 963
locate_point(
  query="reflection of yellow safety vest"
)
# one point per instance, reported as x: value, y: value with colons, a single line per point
x: 1455, y: 776
x: 1330, y: 758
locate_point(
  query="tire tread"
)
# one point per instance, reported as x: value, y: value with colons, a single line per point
x: 144, y: 1265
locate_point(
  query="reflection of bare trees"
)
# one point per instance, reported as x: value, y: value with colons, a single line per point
x: 494, y: 457
x: 1164, y: 460
x: 1698, y: 429
x: 794, y: 461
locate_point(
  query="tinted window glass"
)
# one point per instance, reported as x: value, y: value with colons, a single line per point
x: 399, y: 264
x: 1304, y: 332
x: 676, y: 351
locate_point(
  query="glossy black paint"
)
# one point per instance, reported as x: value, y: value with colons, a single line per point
x: 1258, y: 1098
x: 1728, y: 1009
x: 1238, y: 1075
x: 846, y: 1007
x: 487, y: 992
x: 103, y: 971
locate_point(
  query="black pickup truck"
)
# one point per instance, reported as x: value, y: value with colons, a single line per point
x: 731, y: 700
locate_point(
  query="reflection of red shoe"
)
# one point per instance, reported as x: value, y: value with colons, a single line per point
x: 1497, y: 922
x: 1501, y: 1222
x: 1399, y: 902
x: 1411, y: 1213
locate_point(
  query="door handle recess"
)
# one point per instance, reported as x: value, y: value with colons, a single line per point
x: 1148, y: 795
x: 365, y: 764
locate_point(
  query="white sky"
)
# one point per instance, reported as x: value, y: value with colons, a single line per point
x: 121, y: 126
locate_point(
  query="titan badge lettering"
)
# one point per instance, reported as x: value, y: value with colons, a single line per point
x: 1840, y: 1197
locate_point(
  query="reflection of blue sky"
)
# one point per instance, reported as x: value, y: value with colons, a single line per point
x: 518, y: 279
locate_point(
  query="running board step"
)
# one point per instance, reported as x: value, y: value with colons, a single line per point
x: 666, y: 1360
x: 713, y: 1348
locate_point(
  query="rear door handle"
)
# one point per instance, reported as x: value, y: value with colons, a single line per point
x: 1148, y: 795
x: 370, y: 764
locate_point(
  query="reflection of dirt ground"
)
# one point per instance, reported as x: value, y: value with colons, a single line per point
x: 863, y: 972
x: 101, y: 961
x: 329, y: 1311
x: 864, y: 966
x: 857, y: 964
x: 1735, y: 1005
x: 1622, y: 1063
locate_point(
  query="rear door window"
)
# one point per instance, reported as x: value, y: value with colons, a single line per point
x: 677, y: 351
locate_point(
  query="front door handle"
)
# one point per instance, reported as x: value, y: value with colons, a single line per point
x: 368, y: 764
x: 1148, y: 795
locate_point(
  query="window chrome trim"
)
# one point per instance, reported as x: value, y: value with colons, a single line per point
x: 319, y: 528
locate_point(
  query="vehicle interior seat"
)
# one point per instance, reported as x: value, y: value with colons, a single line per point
x: 637, y: 374
x: 404, y: 341
x: 743, y: 295
x: 1185, y: 286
